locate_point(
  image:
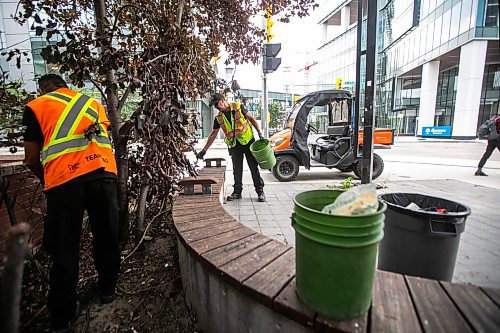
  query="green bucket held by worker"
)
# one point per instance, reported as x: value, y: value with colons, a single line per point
x: 335, y: 255
x: 263, y: 153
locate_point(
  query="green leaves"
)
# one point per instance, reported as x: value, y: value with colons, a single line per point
x: 13, y: 97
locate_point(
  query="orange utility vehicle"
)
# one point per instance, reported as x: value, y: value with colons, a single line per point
x: 334, y: 149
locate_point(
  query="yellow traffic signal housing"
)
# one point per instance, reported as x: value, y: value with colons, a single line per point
x: 269, y: 25
x: 338, y: 83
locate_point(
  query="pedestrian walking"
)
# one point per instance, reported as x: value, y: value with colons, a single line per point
x: 493, y: 136
x: 67, y: 146
x: 236, y: 123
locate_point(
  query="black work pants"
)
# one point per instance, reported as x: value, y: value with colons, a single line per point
x: 62, y: 230
x: 237, y: 152
x: 492, y: 144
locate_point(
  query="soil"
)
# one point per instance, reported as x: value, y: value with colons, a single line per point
x: 150, y: 294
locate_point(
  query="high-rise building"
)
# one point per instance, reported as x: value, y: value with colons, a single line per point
x: 15, y: 36
x: 438, y: 61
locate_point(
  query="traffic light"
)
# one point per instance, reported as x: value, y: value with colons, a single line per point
x: 269, y: 25
x: 338, y: 83
x: 270, y: 62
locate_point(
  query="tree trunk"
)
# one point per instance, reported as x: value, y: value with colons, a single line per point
x: 141, y: 211
x: 114, y: 115
x: 15, y: 251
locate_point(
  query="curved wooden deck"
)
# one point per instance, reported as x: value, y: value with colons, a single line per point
x: 237, y: 280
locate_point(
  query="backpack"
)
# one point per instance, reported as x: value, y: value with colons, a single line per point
x: 488, y: 130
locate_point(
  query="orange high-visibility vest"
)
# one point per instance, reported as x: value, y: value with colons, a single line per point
x: 64, y: 115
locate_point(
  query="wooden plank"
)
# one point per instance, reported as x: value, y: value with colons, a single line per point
x: 494, y: 294
x: 245, y: 266
x: 358, y: 325
x: 197, y: 180
x: 392, y: 309
x: 266, y: 284
x: 436, y: 311
x: 215, y: 159
x: 194, y: 199
x: 209, y: 231
x: 178, y: 211
x: 201, y: 218
x: 481, y: 312
x: 213, y: 170
x: 200, y: 224
x: 288, y: 303
x: 216, y: 209
x: 225, y: 254
x: 199, y: 207
x: 208, y: 244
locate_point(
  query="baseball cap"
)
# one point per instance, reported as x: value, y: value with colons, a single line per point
x: 215, y: 98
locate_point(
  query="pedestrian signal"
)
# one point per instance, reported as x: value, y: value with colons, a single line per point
x: 338, y: 83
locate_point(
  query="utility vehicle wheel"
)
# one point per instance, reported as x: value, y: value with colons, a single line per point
x: 286, y: 168
x: 378, y: 167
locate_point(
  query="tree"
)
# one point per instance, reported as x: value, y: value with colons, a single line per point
x: 13, y: 97
x: 277, y: 113
x: 161, y: 49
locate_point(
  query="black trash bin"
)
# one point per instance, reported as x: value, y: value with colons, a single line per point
x: 421, y: 242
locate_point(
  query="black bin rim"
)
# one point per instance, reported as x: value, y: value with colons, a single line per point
x: 462, y: 214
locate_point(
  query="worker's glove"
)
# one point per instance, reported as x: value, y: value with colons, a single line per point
x: 201, y: 154
x: 261, y: 137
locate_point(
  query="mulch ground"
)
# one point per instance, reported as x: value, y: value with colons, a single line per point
x: 150, y: 294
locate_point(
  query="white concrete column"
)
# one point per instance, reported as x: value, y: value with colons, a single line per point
x: 345, y: 14
x: 324, y: 30
x: 428, y: 94
x: 469, y: 85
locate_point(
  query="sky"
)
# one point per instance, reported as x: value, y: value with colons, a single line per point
x: 299, y: 40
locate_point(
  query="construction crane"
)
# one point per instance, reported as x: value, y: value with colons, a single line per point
x: 306, y: 69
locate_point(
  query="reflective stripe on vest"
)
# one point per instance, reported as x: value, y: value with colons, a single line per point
x: 62, y: 141
x: 236, y: 127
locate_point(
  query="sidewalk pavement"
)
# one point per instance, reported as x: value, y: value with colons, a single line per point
x: 478, y: 257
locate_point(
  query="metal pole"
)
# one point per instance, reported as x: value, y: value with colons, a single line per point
x: 264, y: 105
x: 369, y: 117
x: 358, y: 80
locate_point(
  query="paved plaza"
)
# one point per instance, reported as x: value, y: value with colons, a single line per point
x: 426, y: 172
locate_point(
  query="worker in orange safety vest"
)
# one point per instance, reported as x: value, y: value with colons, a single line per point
x: 68, y: 148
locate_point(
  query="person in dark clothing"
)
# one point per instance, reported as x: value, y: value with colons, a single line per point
x: 236, y: 123
x: 68, y: 131
x: 492, y: 144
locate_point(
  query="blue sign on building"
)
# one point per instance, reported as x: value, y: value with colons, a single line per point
x: 436, y: 131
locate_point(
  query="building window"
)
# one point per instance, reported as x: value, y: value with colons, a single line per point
x: 490, y: 94
x: 446, y: 97
x: 492, y: 18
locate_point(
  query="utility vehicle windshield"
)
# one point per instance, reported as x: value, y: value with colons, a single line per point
x: 293, y: 114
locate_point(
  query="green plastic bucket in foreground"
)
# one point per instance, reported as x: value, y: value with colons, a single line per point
x: 335, y: 266
x: 263, y: 153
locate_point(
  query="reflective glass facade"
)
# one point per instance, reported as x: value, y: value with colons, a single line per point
x: 446, y: 97
x: 410, y: 34
x: 490, y: 93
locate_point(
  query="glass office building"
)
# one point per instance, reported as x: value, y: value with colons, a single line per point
x: 438, y: 61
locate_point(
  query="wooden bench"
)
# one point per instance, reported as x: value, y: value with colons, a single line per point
x: 205, y: 182
x: 237, y: 280
x: 217, y: 160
